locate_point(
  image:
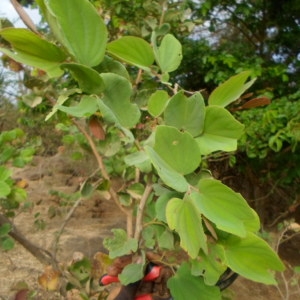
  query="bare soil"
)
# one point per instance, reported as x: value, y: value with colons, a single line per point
x: 90, y: 223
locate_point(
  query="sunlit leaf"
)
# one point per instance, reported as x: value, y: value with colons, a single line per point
x: 133, y: 50
x: 252, y: 258
x: 221, y: 131
x: 178, y: 149
x: 227, y: 209
x: 186, y: 286
x: 187, y: 222
x: 186, y: 114
x: 231, y: 89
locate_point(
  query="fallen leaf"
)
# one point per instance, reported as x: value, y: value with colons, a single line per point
x: 49, y: 280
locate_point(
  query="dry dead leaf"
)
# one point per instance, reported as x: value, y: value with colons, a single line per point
x: 50, y: 279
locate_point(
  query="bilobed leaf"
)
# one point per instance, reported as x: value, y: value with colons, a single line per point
x: 231, y: 89
x: 252, y: 258
x: 178, y: 149
x: 157, y: 102
x: 79, y: 27
x: 221, y: 131
x: 168, y: 175
x: 132, y: 50
x: 227, y: 209
x: 117, y: 94
x: 169, y: 54
x: 88, y: 79
x: 187, y: 222
x: 120, y: 244
x: 186, y: 286
x: 85, y: 108
x: 186, y: 114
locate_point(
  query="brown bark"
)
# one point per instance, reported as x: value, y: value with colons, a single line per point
x: 44, y: 256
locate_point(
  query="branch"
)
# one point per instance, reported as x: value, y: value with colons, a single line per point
x: 24, y: 16
x: 44, y: 256
x: 113, y: 194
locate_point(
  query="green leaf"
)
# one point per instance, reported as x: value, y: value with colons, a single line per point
x: 25, y: 41
x: 7, y: 243
x: 140, y: 160
x: 186, y: 286
x: 252, y: 258
x: 161, y: 205
x: 169, y: 54
x: 120, y: 244
x: 178, y: 149
x: 79, y: 27
x: 117, y: 98
x: 63, y: 97
x: 231, y: 89
x: 168, y: 175
x: 227, y: 209
x: 157, y: 102
x: 5, y: 173
x: 221, y: 131
x: 132, y: 273
x: 186, y: 114
x: 132, y: 50
x: 81, y: 269
x: 109, y: 65
x: 85, y: 108
x: 166, y: 240
x: 4, y: 189
x: 186, y: 221
x: 88, y: 79
x: 211, y: 265
x: 5, y: 229
x: 32, y: 50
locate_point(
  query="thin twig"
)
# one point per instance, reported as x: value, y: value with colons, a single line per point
x: 64, y: 224
x: 141, y: 208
